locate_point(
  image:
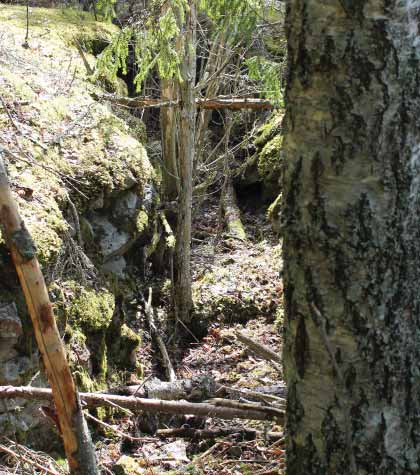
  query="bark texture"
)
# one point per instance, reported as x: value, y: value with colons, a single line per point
x: 168, y: 123
x: 352, y: 237
x: 188, y: 112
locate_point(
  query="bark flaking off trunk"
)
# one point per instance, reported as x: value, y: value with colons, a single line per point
x: 352, y: 239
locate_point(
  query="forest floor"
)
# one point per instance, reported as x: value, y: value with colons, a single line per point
x: 239, y: 285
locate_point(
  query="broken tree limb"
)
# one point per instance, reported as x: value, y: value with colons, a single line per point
x: 252, y: 395
x: 200, y: 388
x: 77, y: 443
x: 261, y: 350
x: 239, y: 411
x: 200, y: 434
x: 148, y: 310
x: 232, y: 103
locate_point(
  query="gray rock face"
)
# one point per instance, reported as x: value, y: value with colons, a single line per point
x: 12, y: 366
x: 10, y: 324
x: 113, y: 228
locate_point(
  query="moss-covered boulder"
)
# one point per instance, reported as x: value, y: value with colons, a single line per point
x: 265, y: 164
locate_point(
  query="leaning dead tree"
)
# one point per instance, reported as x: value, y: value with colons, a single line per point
x: 76, y: 437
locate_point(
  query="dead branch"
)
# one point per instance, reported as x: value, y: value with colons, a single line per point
x: 253, y: 395
x: 222, y: 411
x: 27, y: 460
x: 232, y: 103
x: 148, y: 310
x: 200, y: 434
x: 261, y: 350
x: 119, y: 432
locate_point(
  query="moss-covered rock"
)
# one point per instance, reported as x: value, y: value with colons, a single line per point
x: 265, y: 165
x: 92, y: 309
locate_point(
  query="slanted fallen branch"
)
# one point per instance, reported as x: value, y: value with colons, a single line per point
x: 200, y: 434
x: 235, y: 411
x: 148, y: 310
x: 261, y: 350
x: 77, y: 443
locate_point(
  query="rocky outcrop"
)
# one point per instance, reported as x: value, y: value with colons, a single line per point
x: 86, y: 189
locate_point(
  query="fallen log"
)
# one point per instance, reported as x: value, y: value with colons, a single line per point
x: 232, y: 103
x: 226, y: 411
x: 231, y: 212
x: 196, y: 389
x: 200, y: 388
x: 200, y: 434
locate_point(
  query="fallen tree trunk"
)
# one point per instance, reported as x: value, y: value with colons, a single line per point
x: 196, y: 389
x: 231, y: 212
x: 200, y: 434
x: 239, y: 411
x: 76, y: 438
x: 200, y: 388
x: 232, y: 103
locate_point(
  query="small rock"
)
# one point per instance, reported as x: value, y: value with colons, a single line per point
x: 127, y: 466
x: 13, y: 371
x: 175, y: 450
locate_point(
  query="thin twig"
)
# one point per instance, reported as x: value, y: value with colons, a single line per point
x: 9, y: 451
x: 119, y: 432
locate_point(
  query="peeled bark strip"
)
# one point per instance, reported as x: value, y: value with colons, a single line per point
x: 232, y: 410
x: 231, y: 212
x: 351, y: 207
x: 76, y: 438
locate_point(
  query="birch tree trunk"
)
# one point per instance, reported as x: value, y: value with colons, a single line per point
x: 352, y: 237
x: 188, y: 113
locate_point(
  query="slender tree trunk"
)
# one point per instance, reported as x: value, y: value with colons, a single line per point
x: 169, y: 142
x: 352, y: 238
x: 188, y: 113
x: 77, y: 443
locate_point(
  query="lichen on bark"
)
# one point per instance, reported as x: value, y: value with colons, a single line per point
x: 351, y: 238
